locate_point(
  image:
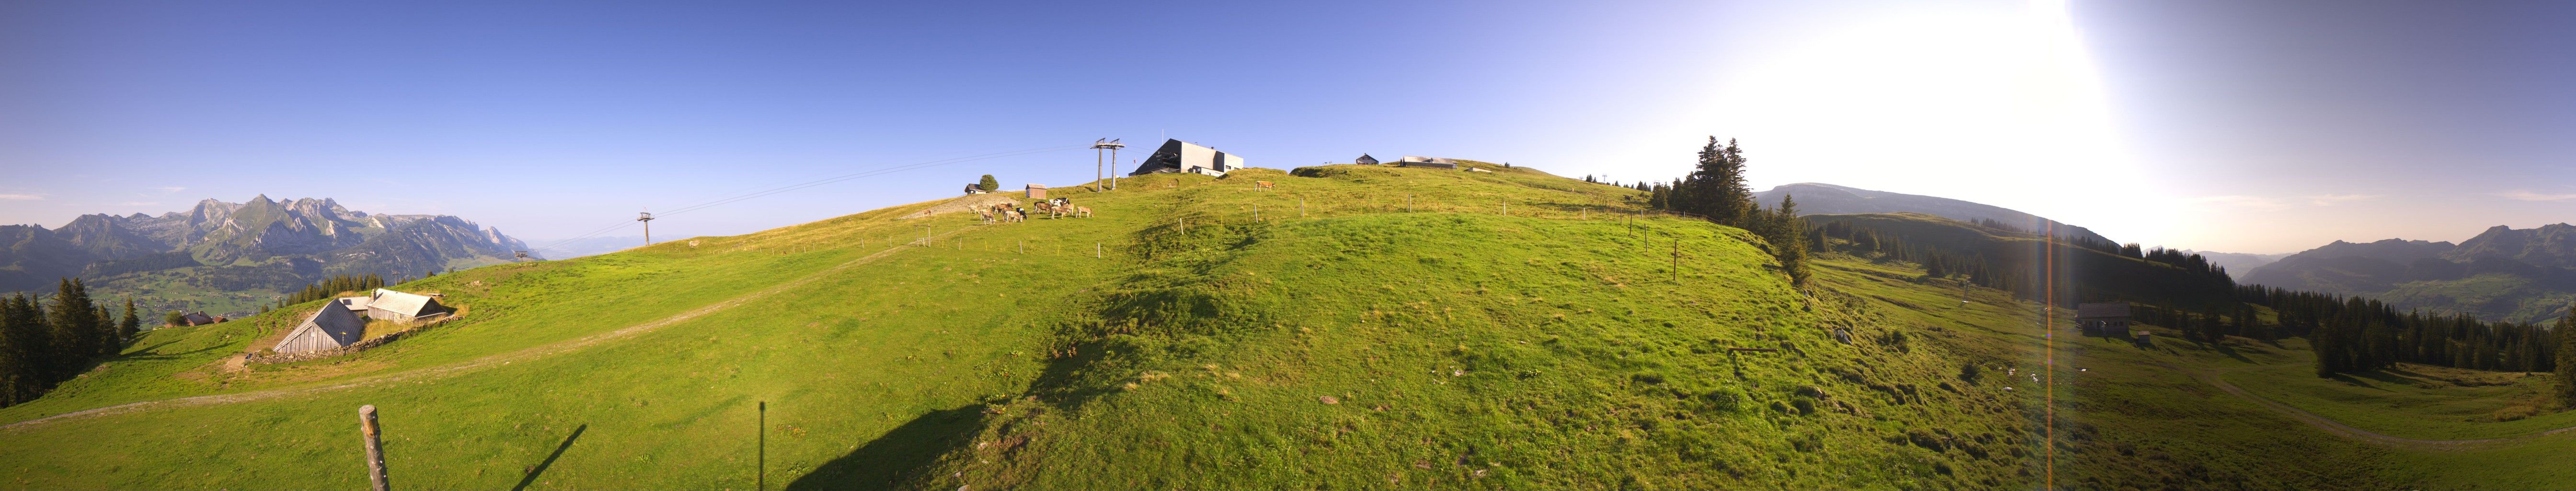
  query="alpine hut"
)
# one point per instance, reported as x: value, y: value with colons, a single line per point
x: 197, y: 319
x: 332, y: 327
x: 974, y: 189
x: 398, y: 306
x: 1176, y: 156
x: 2102, y: 319
x: 1365, y: 159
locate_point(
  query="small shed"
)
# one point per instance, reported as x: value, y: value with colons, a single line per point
x: 399, y: 306
x: 332, y: 327
x: 1430, y: 162
x: 1365, y: 159
x: 198, y: 319
x: 975, y: 189
x: 2102, y: 319
x: 1037, y: 191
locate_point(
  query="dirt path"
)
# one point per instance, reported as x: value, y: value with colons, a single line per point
x: 2347, y: 431
x: 439, y: 372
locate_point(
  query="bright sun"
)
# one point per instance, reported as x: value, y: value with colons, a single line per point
x: 2000, y: 106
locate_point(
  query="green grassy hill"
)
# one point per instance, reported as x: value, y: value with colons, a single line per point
x: 1357, y: 327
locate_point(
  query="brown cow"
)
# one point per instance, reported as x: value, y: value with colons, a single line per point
x: 1263, y: 185
x: 1082, y: 211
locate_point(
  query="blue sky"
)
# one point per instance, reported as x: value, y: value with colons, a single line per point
x: 2230, y: 126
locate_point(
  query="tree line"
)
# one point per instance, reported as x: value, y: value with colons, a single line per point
x: 1715, y: 190
x: 2352, y: 334
x: 45, y: 343
x: 331, y: 286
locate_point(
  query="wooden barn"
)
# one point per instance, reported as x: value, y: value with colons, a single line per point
x: 1365, y: 159
x: 332, y: 327
x: 398, y: 306
x: 2102, y: 319
x: 198, y: 319
x: 1037, y: 191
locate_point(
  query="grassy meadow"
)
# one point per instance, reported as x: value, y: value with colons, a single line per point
x: 1356, y: 327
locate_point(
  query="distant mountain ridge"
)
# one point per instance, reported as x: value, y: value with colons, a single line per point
x: 2238, y: 263
x: 2520, y: 275
x: 1826, y: 199
x: 257, y: 244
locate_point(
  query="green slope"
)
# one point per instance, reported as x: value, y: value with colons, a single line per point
x: 1461, y: 346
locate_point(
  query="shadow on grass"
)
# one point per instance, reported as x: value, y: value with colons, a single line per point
x: 540, y: 468
x: 899, y: 456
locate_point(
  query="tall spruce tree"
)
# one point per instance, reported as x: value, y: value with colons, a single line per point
x: 1718, y: 186
x: 2566, y: 369
x: 22, y: 341
x: 1789, y: 245
x: 103, y: 325
x: 74, y: 326
x: 131, y: 325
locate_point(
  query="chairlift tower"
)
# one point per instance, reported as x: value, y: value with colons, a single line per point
x: 647, y: 218
x: 1101, y: 163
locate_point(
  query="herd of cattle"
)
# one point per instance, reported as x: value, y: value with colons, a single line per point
x: 1009, y: 212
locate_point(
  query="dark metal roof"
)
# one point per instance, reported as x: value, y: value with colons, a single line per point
x: 2102, y: 310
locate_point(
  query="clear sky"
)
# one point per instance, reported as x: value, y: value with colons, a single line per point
x: 2217, y: 125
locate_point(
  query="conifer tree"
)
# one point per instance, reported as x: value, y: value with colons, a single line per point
x: 2566, y: 369
x: 2328, y: 346
x: 22, y: 343
x: 132, y: 325
x: 74, y: 328
x: 103, y: 327
x: 1789, y: 239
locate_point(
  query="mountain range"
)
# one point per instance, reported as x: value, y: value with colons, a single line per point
x: 1827, y: 199
x: 2504, y: 273
x: 238, y: 251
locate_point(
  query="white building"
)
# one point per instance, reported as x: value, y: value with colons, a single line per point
x: 1177, y: 156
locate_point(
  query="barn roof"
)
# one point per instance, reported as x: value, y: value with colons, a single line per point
x: 335, y: 321
x: 408, y: 304
x: 2102, y: 310
x: 355, y: 303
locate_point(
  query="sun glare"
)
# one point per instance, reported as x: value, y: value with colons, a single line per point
x: 2004, y: 101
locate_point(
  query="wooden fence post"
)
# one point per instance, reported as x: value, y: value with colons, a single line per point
x: 1301, y: 207
x: 375, y: 448
x: 760, y: 480
x: 1095, y: 250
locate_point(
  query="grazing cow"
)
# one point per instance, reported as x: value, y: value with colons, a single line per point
x: 1013, y: 215
x: 1082, y: 211
x: 1262, y: 185
x: 988, y: 216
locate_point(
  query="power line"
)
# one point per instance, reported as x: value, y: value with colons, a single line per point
x: 557, y: 245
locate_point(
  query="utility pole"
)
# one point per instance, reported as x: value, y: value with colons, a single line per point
x: 647, y: 218
x: 1101, y: 163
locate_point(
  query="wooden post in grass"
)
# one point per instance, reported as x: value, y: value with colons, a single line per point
x: 375, y: 448
x: 1095, y: 250
x: 760, y: 479
x: 1256, y: 213
x: 1301, y: 207
x: 1677, y: 259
